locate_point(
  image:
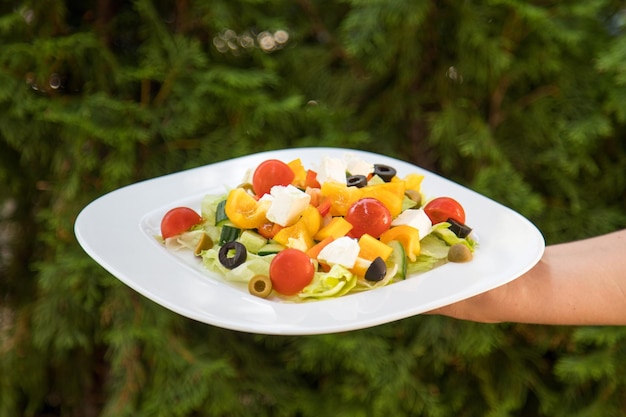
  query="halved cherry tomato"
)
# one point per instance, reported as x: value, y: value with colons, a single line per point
x: 269, y: 229
x: 370, y: 216
x: 290, y: 271
x: 441, y: 209
x: 178, y: 220
x: 270, y: 173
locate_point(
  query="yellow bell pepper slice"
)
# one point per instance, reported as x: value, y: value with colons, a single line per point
x: 371, y: 248
x: 299, y: 179
x: 413, y: 182
x: 341, y: 197
x: 390, y: 194
x: 409, y: 238
x: 312, y: 218
x: 244, y: 210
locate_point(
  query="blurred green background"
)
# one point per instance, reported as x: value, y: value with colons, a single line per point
x: 521, y: 101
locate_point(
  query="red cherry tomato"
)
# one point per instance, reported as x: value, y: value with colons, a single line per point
x: 441, y: 209
x: 269, y: 229
x: 290, y: 271
x: 270, y: 173
x: 370, y: 216
x: 178, y: 220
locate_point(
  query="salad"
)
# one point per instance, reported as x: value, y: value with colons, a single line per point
x: 308, y: 233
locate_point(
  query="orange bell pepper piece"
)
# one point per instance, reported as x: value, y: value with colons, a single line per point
x: 269, y: 229
x: 324, y: 207
x: 296, y: 236
x: 371, y: 248
x: 317, y: 248
x: 336, y: 228
x: 311, y: 179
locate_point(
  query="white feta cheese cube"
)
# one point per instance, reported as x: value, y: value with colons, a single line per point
x: 331, y: 170
x: 266, y: 197
x: 247, y: 177
x: 288, y: 202
x: 341, y: 251
x: 357, y: 166
x: 266, y: 201
x: 416, y: 218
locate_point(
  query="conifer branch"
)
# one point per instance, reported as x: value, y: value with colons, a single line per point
x: 496, y: 113
x: 322, y: 32
x: 537, y: 94
x: 104, y: 14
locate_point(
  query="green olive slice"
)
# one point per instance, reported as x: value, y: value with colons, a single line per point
x: 260, y: 285
x: 204, y: 243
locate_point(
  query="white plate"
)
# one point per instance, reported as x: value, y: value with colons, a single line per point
x: 118, y: 229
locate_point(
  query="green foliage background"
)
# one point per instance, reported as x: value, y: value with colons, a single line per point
x: 521, y: 101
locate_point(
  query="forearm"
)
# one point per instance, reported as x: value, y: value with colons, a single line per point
x: 575, y: 283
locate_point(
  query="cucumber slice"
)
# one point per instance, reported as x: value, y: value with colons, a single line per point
x: 229, y: 234
x: 375, y: 180
x: 270, y: 249
x: 252, y: 241
x: 398, y: 257
x: 220, y: 214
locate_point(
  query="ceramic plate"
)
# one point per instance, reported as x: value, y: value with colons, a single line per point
x: 118, y: 231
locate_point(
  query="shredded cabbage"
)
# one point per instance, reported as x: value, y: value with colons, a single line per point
x: 186, y: 240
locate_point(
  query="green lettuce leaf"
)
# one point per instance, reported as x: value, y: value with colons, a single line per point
x: 334, y: 283
x: 254, y: 265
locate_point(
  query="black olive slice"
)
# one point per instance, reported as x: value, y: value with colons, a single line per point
x: 384, y: 171
x: 377, y: 270
x: 232, y: 260
x: 459, y: 229
x: 358, y: 181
